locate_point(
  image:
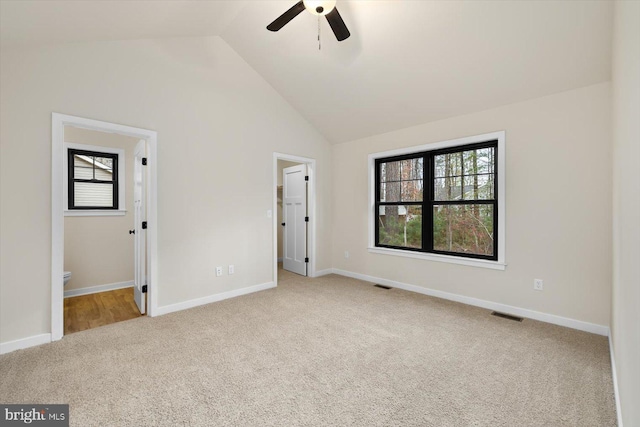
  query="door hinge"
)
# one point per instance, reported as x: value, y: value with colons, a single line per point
x: 144, y: 225
x: 306, y: 219
x: 306, y: 260
x: 283, y: 224
x: 144, y: 161
x: 144, y: 289
x: 306, y: 178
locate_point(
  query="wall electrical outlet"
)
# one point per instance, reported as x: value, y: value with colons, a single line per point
x: 218, y: 271
x: 232, y: 269
x: 538, y: 284
x: 346, y: 254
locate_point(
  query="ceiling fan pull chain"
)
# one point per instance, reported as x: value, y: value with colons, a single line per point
x: 319, y: 32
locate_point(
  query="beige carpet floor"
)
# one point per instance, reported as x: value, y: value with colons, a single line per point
x: 330, y: 351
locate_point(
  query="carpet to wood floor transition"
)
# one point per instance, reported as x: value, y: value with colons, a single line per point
x: 330, y: 351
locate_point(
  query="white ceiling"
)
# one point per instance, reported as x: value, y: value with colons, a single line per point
x: 406, y: 62
x: 55, y: 21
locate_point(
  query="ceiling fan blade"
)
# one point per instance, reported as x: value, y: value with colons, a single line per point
x: 337, y: 25
x: 283, y: 19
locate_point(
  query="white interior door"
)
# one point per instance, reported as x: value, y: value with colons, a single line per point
x: 139, y: 215
x: 294, y: 211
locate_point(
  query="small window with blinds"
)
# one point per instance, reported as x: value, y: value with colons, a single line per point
x: 93, y: 180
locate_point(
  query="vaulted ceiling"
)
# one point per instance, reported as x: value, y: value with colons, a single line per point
x: 406, y: 62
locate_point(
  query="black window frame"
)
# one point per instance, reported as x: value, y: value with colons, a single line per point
x: 71, y: 152
x: 427, y: 204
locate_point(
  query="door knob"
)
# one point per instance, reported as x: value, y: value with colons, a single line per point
x: 132, y: 231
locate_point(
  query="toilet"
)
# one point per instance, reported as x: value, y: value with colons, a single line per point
x: 67, y: 277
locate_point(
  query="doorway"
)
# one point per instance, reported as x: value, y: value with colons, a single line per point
x: 143, y: 145
x: 101, y: 255
x: 294, y: 214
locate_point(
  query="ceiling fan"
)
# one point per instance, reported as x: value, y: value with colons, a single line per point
x: 317, y: 7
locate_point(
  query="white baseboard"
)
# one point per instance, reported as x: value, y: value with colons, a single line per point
x: 213, y: 298
x: 522, y: 312
x: 323, y: 272
x: 98, y: 288
x: 615, y: 380
x: 9, y: 346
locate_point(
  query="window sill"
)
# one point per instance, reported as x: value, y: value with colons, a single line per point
x: 494, y: 265
x: 95, y: 212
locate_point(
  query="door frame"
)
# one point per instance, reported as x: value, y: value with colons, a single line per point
x: 311, y: 209
x: 58, y: 122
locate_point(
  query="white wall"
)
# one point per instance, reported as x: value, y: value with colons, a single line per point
x: 625, y: 309
x: 218, y: 124
x: 98, y: 250
x: 558, y: 206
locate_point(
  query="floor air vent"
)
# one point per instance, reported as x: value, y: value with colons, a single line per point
x: 506, y: 316
x: 382, y: 286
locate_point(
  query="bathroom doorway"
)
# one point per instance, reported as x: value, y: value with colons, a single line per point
x: 99, y: 228
x: 103, y: 236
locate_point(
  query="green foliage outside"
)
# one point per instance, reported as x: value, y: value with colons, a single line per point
x: 393, y: 231
x: 463, y: 228
x: 458, y: 228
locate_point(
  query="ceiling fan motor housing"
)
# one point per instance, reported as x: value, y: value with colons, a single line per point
x: 319, y: 7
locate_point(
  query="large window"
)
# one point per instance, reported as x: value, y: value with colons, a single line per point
x: 443, y: 201
x: 92, y: 180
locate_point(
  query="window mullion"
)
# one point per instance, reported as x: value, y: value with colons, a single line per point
x: 461, y: 175
x: 427, y: 204
x: 465, y: 202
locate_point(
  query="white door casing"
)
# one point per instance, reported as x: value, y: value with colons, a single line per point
x: 294, y: 211
x: 58, y: 122
x: 139, y: 215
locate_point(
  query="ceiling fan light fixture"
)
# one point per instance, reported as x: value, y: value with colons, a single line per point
x: 319, y: 7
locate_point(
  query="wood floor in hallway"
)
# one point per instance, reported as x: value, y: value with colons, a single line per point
x: 103, y: 308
